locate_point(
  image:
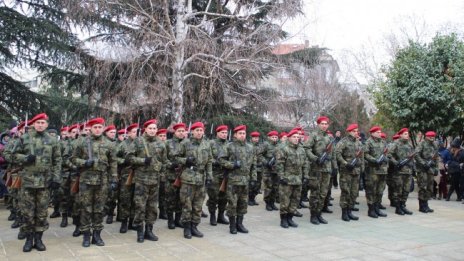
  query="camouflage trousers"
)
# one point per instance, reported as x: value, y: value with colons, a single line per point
x: 216, y: 199
x: 349, y: 186
x: 271, y: 187
x: 401, y: 184
x: 111, y: 201
x: 192, y: 198
x: 162, y: 195
x: 253, y: 192
x: 126, y: 199
x: 319, y: 186
x: 375, y: 185
x: 425, y: 184
x: 389, y: 181
x: 237, y: 200
x: 13, y: 199
x: 173, y: 204
x: 92, y: 199
x: 289, y: 198
x: 75, y: 207
x: 34, y: 207
x: 64, y: 194
x: 145, y: 204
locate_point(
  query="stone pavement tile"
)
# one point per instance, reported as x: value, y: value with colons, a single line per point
x: 328, y: 256
x: 439, y: 257
x: 264, y: 257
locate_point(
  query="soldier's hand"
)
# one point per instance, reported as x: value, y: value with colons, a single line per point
x: 54, y: 185
x: 174, y: 165
x: 349, y: 167
x: 190, y: 161
x: 126, y: 162
x: 208, y: 183
x: 30, y: 158
x: 114, y: 185
x: 283, y: 182
x: 253, y: 184
x: 147, y: 161
x: 89, y: 163
x: 216, y: 164
x: 237, y: 164
x: 426, y: 167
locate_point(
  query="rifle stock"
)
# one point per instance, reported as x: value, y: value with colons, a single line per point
x: 177, y: 183
x: 9, y: 180
x: 130, y: 177
x: 223, y: 187
x: 75, y: 186
x: 17, y: 183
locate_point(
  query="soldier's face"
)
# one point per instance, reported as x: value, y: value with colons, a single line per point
x: 121, y: 137
x: 162, y: 137
x: 97, y: 130
x: 133, y: 133
x: 377, y: 134
x: 323, y: 125
x: 240, y: 135
x: 64, y: 134
x: 294, y: 139
x: 111, y: 134
x: 198, y: 133
x: 74, y: 133
x: 151, y: 130
x: 274, y: 138
x: 338, y: 134
x: 222, y: 135
x: 284, y: 138
x: 255, y: 139
x: 40, y: 125
x: 404, y: 136
x: 180, y: 133
x: 354, y: 133
x: 430, y: 138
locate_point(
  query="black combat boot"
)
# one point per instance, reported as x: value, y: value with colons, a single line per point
x: 17, y: 222
x: 274, y: 207
x: 109, y: 218
x: 268, y: 206
x: 56, y: 212
x: 149, y: 233
x: 195, y: 231
x: 381, y: 206
x: 140, y: 235
x: 351, y: 216
x: 64, y: 220
x: 177, y: 220
x: 221, y: 219
x: 326, y: 209
x: 422, y: 207
x: 212, y: 218
x: 187, y: 230
x: 345, y: 215
x: 77, y: 231
x: 405, y: 210
x: 354, y: 208
x: 123, y: 228
x: 321, y: 219
x: 96, y: 238
x: 21, y: 234
x: 203, y: 214
x: 297, y: 214
x: 399, y: 210
x: 233, y: 224
x: 371, y: 212
x: 162, y: 214
x: 305, y: 199
x: 12, y: 215
x: 378, y: 211
x: 429, y: 210
x: 313, y: 219
x: 302, y: 205
x: 171, y: 224
x: 29, y: 242
x: 240, y: 227
x: 283, y: 220
x: 131, y: 226
x: 86, y: 240
x: 290, y: 221
x: 38, y: 244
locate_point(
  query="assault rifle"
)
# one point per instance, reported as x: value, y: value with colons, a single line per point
x: 327, y: 151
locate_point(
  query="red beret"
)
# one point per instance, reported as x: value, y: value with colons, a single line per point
x: 395, y: 137
x: 222, y: 128
x: 132, y: 126
x: 109, y: 128
x: 72, y: 127
x: 297, y: 128
x: 272, y: 133
x: 92, y: 122
x: 65, y: 128
x: 351, y: 127
x: 321, y: 119
x: 179, y: 125
x: 329, y: 132
x: 292, y: 132
x: 81, y: 127
x: 254, y: 134
x: 121, y: 132
x: 430, y: 134
x: 283, y: 134
x: 152, y: 121
x: 197, y: 125
x: 383, y: 135
x: 240, y: 128
x: 374, y: 129
x: 162, y: 131
x: 41, y: 116
x: 21, y: 125
x: 403, y: 130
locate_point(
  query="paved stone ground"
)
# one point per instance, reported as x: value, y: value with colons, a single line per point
x: 437, y: 236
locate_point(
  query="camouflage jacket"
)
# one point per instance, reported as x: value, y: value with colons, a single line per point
x: 268, y: 152
x: 124, y: 167
x: 244, y: 152
x: 172, y: 148
x: 399, y: 151
x: 374, y: 149
x: 202, y: 170
x: 259, y: 156
x: 346, y: 151
x: 292, y: 164
x: 315, y: 147
x: 217, y: 145
x: 14, y: 166
x: 142, y: 148
x: 103, y: 154
x: 47, y: 165
x: 427, y: 154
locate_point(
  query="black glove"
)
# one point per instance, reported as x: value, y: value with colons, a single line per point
x: 237, y: 164
x: 126, y: 162
x: 283, y: 182
x: 253, y: 184
x: 349, y: 167
x: 190, y: 161
x: 54, y: 185
x: 334, y: 172
x: 147, y: 161
x: 89, y: 163
x: 30, y: 158
x: 216, y: 164
x: 305, y: 181
x: 208, y: 183
x: 426, y: 167
x: 114, y: 185
x: 174, y: 165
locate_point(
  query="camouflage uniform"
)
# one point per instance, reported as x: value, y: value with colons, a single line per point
x: 126, y: 191
x: 270, y: 178
x: 93, y: 183
x: 111, y: 201
x: 239, y: 178
x: 193, y: 177
x: 173, y: 204
x: 217, y: 199
x: 162, y: 190
x: 401, y: 181
x: 427, y: 159
x: 346, y: 151
x: 67, y: 201
x: 376, y: 174
x: 319, y: 177
x: 76, y: 206
x: 146, y: 178
x: 389, y: 179
x: 259, y: 174
x: 292, y: 168
x: 14, y: 167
